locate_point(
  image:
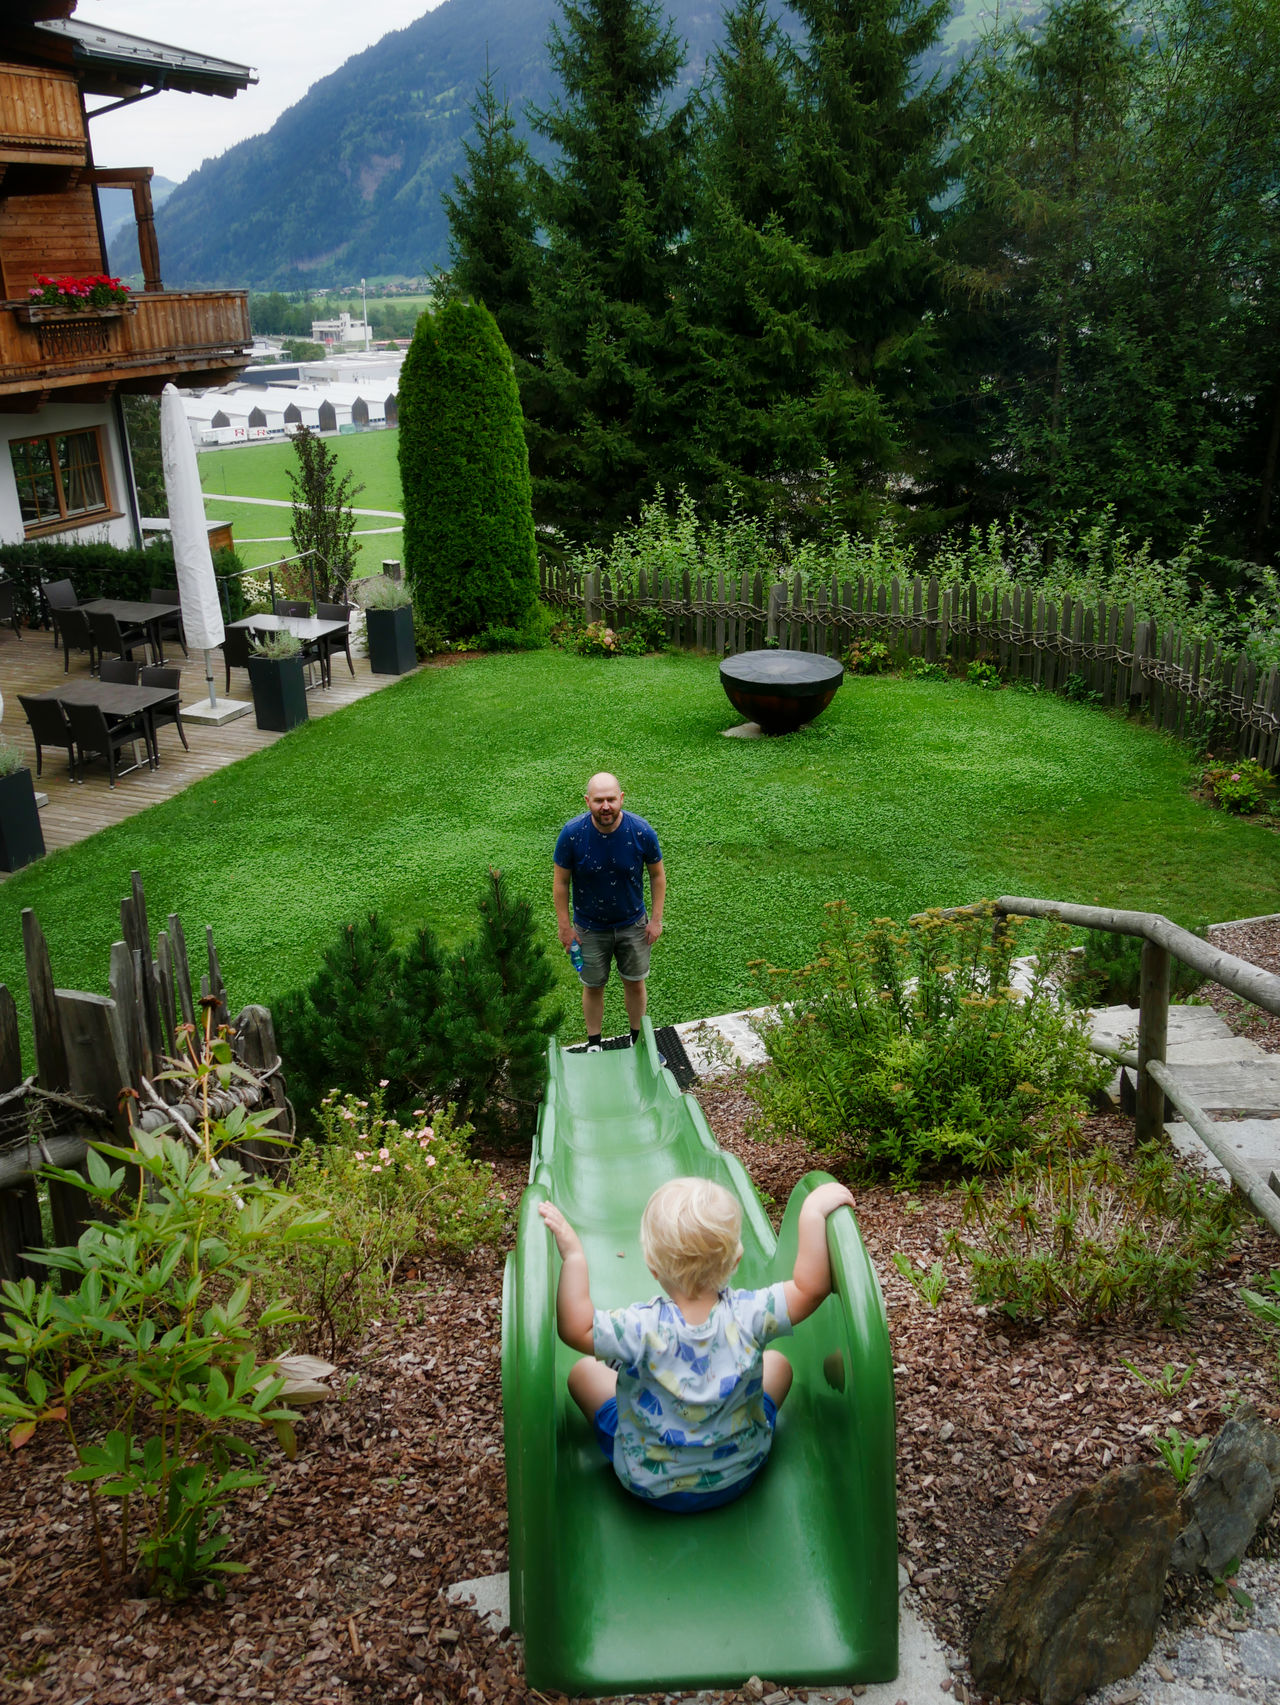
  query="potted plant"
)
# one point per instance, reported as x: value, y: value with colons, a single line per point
x: 388, y: 618
x: 279, y: 689
x: 21, y: 838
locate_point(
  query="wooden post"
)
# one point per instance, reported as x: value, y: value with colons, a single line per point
x: 1153, y: 1034
x: 19, y: 1204
x: 255, y: 1046
x: 776, y: 594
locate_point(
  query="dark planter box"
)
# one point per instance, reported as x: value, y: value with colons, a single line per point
x: 279, y: 692
x: 390, y: 634
x: 21, y: 837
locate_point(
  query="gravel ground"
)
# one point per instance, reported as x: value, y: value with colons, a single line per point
x: 1259, y: 943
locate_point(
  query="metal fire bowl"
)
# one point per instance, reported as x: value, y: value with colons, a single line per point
x: 781, y: 690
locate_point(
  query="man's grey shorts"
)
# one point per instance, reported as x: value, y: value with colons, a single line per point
x: 600, y: 946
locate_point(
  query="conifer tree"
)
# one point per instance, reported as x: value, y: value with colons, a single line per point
x: 469, y: 553
x: 491, y: 226
x: 612, y: 419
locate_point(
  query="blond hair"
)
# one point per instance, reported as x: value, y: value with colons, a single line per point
x: 691, y: 1235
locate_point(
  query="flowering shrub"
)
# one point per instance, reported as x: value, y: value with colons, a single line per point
x: 1241, y: 787
x: 96, y: 291
x: 390, y: 1191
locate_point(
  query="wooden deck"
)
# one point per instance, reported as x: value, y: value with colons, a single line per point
x: 77, y: 810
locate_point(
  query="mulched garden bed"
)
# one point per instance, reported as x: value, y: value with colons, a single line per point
x: 398, y: 1490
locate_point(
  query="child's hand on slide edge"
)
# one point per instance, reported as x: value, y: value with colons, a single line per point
x: 567, y: 1239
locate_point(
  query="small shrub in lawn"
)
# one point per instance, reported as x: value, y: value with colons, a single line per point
x: 390, y: 1191
x: 1076, y: 688
x: 983, y: 674
x: 867, y: 656
x: 1109, y: 971
x: 1242, y: 787
x: 916, y: 669
x: 905, y: 1050
x: 1076, y: 1231
x: 148, y: 1357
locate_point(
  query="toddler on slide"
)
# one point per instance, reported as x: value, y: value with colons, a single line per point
x: 681, y: 1391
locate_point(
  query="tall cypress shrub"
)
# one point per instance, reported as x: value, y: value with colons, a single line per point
x: 469, y: 552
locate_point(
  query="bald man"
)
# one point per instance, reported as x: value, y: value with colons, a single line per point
x: 602, y: 856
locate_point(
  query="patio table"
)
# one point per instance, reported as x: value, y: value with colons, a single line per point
x: 116, y: 699
x: 130, y: 612
x: 309, y: 629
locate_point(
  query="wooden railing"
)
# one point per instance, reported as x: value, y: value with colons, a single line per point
x: 173, y: 332
x: 1161, y: 941
x: 1105, y: 651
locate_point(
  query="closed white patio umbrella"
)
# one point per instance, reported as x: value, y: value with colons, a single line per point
x: 197, y: 585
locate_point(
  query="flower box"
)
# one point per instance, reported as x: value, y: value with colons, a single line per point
x: 279, y: 692
x: 41, y: 314
x: 21, y: 837
x: 390, y: 638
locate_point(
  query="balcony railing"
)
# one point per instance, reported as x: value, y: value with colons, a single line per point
x: 200, y: 335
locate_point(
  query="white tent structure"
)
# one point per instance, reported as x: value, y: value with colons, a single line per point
x: 197, y: 585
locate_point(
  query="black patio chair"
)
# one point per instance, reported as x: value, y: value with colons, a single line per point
x: 171, y: 626
x: 75, y: 634
x: 9, y: 607
x: 237, y: 648
x: 291, y: 607
x: 168, y: 711
x: 49, y: 727
x: 110, y: 636
x: 55, y: 597
x: 336, y: 642
x: 312, y: 650
x: 95, y: 737
x: 120, y: 670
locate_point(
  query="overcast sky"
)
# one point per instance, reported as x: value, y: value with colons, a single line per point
x: 290, y: 43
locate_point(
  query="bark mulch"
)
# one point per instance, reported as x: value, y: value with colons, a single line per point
x: 397, y: 1490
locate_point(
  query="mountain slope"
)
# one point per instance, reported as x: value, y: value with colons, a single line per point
x: 347, y: 182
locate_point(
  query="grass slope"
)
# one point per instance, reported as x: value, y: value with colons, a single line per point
x: 904, y: 795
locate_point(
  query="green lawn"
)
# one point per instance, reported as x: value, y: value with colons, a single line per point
x: 904, y: 795
x: 261, y: 469
x: 262, y: 535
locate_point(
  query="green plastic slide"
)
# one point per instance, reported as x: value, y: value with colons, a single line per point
x: 798, y: 1580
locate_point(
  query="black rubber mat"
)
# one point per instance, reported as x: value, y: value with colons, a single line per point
x: 669, y: 1046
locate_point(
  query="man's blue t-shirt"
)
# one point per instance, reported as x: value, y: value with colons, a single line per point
x: 607, y: 870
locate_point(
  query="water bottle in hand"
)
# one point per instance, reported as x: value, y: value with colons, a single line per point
x: 575, y: 956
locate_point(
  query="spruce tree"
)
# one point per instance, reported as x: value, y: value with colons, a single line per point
x: 469, y: 553
x: 610, y: 418
x: 492, y: 239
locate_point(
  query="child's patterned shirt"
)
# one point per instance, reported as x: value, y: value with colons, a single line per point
x: 690, y: 1398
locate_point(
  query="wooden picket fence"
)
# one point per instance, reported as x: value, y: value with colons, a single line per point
x: 1177, y: 680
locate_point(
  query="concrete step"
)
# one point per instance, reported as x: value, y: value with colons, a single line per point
x: 1256, y: 1141
x: 1117, y: 1026
x: 1245, y: 1088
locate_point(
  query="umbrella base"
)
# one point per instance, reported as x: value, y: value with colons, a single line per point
x: 205, y: 715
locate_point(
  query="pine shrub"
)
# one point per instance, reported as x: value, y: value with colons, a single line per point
x: 469, y: 551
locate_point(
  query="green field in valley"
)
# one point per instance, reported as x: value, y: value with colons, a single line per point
x: 906, y: 794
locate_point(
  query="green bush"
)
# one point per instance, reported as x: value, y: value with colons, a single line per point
x: 867, y: 656
x: 1073, y: 1230
x: 470, y: 1028
x: 1109, y: 971
x: 469, y: 550
x: 1242, y: 787
x: 983, y: 674
x: 389, y: 1192
x: 103, y: 571
x: 905, y: 1050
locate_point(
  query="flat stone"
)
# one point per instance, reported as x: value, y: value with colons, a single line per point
x: 1116, y: 1024
x: 745, y: 731
x: 1256, y: 1141
x: 42, y: 799
x: 1246, y: 1087
x: 204, y: 715
x: 1259, y: 1654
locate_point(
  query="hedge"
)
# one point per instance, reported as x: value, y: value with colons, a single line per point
x: 102, y: 571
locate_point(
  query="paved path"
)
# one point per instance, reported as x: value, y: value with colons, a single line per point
x: 287, y: 503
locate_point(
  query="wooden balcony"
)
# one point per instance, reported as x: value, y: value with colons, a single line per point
x: 194, y: 337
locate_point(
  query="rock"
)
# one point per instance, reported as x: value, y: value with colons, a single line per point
x: 1260, y: 1654
x: 1081, y: 1604
x: 1230, y: 1496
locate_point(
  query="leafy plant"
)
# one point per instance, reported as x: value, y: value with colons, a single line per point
x: 1168, y: 1383
x: 279, y: 647
x: 916, y: 669
x: 12, y: 759
x: 929, y: 1286
x: 984, y: 674
x: 1076, y: 688
x: 1179, y: 1455
x: 380, y: 592
x: 1074, y: 1230
x: 905, y: 1049
x: 1242, y: 787
x: 867, y: 656
x: 146, y: 1358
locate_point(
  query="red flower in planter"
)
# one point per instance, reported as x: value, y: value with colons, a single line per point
x: 95, y: 291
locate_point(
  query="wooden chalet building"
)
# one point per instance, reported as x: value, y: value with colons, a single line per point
x: 64, y: 459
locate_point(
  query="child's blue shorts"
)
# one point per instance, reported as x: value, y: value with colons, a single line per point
x: 682, y: 1503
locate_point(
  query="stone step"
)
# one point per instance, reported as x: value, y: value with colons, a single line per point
x: 1256, y: 1141
x: 1245, y: 1088
x: 1117, y: 1026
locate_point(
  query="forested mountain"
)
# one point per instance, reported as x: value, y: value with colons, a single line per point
x: 347, y: 182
